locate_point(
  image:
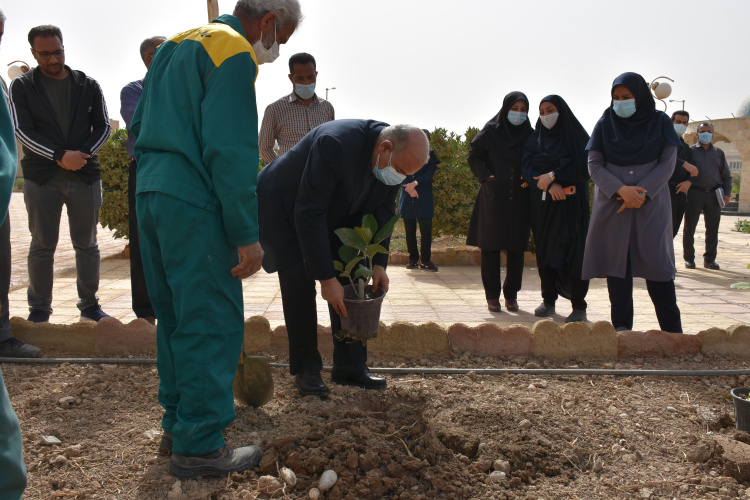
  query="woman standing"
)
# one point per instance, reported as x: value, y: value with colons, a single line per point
x: 415, y: 206
x: 500, y: 219
x: 632, y: 153
x: 555, y: 163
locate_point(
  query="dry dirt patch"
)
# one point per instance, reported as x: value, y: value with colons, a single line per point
x: 460, y: 436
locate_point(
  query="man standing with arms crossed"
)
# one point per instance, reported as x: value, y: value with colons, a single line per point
x: 61, y: 120
x: 129, y: 97
x: 289, y: 119
x: 197, y: 153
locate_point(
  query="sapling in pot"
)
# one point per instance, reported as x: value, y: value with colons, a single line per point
x: 360, y: 245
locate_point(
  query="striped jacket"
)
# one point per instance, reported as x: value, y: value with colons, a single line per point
x: 37, y: 129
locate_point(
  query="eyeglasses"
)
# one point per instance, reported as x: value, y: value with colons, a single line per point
x: 46, y: 55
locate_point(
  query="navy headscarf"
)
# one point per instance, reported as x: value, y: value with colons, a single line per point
x: 637, y: 139
x: 566, y: 138
x: 500, y: 134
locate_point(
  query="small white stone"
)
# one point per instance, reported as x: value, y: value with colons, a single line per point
x: 67, y: 400
x: 672, y: 409
x: 327, y: 480
x: 502, y: 466
x: 314, y: 494
x: 525, y: 424
x: 288, y: 476
x: 270, y: 486
x: 58, y: 459
x: 497, y: 476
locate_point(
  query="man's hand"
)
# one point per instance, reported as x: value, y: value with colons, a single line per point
x: 632, y: 197
x: 543, y: 181
x: 251, y: 257
x: 690, y: 168
x: 726, y: 200
x: 332, y: 291
x: 683, y: 187
x: 73, y: 160
x: 380, y: 279
x: 557, y: 192
x: 411, y: 188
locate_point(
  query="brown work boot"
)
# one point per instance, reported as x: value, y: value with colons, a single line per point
x: 221, y: 462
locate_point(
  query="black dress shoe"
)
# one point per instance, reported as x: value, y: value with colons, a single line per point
x: 511, y: 305
x: 690, y: 264
x: 493, y: 305
x: 310, y: 384
x: 359, y: 376
x: 711, y: 265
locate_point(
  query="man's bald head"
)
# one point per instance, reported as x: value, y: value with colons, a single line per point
x: 408, y: 144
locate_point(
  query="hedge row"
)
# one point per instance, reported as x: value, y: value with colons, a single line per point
x: 454, y: 186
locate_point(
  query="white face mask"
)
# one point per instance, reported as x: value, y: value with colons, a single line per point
x: 263, y: 54
x: 549, y: 120
x: 304, y: 91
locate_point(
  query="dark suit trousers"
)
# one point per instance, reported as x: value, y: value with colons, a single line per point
x: 141, y: 304
x: 491, y: 274
x: 425, y: 231
x: 701, y: 201
x: 662, y: 294
x: 300, y: 315
x: 678, y: 209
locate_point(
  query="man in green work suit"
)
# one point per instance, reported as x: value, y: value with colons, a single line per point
x: 12, y: 469
x: 197, y: 155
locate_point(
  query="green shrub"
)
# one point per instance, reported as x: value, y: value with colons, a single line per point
x: 454, y: 186
x: 736, y: 177
x: 114, y: 160
x: 743, y: 226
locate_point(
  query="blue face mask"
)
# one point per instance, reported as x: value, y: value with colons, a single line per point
x: 680, y: 128
x: 387, y: 175
x: 705, y: 137
x: 304, y: 91
x: 624, y: 109
x: 516, y: 117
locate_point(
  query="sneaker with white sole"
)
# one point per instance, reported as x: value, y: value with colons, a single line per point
x: 93, y: 313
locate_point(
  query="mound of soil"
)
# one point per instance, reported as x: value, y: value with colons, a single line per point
x: 454, y: 437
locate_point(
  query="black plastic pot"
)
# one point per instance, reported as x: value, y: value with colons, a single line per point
x: 741, y: 408
x: 363, y: 318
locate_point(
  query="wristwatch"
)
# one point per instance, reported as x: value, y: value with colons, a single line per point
x: 552, y: 175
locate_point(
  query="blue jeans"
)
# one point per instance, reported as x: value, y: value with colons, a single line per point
x: 44, y: 206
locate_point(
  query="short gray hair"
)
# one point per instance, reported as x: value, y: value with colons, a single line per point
x: 2, y: 15
x: 705, y: 124
x: 407, y: 137
x: 288, y: 12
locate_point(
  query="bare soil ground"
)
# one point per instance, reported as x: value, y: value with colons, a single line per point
x: 424, y: 437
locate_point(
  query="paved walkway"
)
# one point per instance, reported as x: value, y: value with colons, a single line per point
x: 453, y: 295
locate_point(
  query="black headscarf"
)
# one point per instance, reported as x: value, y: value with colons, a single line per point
x: 499, y: 133
x: 639, y: 138
x: 566, y: 138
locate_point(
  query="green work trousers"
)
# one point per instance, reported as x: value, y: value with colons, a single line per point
x: 187, y: 260
x: 12, y: 469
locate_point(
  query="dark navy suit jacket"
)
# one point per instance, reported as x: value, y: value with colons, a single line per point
x: 323, y: 183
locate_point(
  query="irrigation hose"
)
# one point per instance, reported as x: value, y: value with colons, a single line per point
x: 425, y: 371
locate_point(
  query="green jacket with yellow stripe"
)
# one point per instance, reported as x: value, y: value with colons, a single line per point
x: 197, y: 125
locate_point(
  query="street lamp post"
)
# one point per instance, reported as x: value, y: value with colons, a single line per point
x: 661, y: 90
x: 678, y: 100
x: 329, y: 88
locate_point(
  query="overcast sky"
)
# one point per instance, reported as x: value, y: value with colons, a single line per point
x: 436, y: 63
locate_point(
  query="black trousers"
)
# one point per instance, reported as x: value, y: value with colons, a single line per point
x: 301, y: 318
x: 425, y: 232
x: 662, y: 295
x: 578, y: 287
x: 701, y: 201
x: 141, y: 304
x: 679, y: 200
x: 491, y: 274
x: 5, y: 267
